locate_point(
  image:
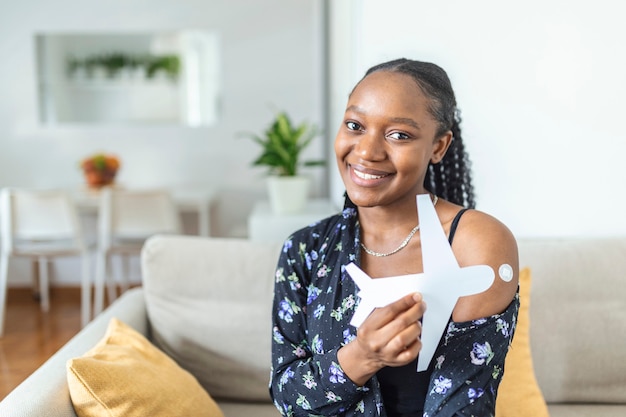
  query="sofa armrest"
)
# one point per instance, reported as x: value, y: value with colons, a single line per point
x: 45, y: 392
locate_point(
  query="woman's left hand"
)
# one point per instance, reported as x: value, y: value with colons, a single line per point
x: 390, y: 336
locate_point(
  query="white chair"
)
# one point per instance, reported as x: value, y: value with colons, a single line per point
x: 126, y: 218
x: 41, y: 224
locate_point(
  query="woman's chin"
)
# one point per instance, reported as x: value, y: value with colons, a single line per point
x: 365, y: 199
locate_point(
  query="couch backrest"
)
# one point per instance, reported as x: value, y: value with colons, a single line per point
x: 578, y: 317
x: 209, y: 304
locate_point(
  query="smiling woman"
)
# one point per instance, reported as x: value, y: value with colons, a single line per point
x: 399, y: 138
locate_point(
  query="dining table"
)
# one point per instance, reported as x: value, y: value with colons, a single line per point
x: 197, y: 201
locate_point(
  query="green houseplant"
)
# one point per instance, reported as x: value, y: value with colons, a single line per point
x: 281, y: 146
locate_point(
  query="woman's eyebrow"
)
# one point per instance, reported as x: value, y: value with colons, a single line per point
x: 400, y: 120
x: 355, y: 109
x: 406, y: 121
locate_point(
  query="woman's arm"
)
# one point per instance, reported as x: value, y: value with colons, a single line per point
x: 483, y: 240
x: 469, y: 362
x: 306, y: 379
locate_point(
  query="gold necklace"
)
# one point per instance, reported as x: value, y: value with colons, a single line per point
x: 402, y: 245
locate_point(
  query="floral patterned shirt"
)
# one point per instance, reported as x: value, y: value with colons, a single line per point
x: 314, y: 299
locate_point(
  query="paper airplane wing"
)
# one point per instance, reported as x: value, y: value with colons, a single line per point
x: 360, y: 278
x: 379, y: 292
x: 434, y: 322
x: 476, y: 279
x: 441, y: 295
x: 364, y: 309
x: 436, y: 251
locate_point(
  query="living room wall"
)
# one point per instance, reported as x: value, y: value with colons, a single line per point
x: 271, y: 59
x: 541, y: 88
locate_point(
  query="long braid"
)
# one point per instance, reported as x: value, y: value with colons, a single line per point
x: 451, y: 178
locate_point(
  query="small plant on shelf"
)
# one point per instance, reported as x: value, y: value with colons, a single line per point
x: 169, y: 64
x: 114, y: 63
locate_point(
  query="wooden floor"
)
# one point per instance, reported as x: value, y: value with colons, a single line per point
x: 30, y: 336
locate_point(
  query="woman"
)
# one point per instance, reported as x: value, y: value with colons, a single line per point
x: 400, y: 137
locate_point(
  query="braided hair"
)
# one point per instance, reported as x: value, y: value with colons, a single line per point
x: 451, y: 177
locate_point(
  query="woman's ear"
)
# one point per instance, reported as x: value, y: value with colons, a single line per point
x: 441, y: 145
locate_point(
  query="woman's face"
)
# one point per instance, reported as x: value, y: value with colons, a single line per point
x: 386, y: 141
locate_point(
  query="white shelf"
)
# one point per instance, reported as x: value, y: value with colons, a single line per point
x: 105, y: 84
x: 113, y: 101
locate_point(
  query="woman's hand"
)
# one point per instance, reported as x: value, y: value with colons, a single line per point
x: 390, y: 336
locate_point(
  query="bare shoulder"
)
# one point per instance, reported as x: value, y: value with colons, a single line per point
x: 481, y: 239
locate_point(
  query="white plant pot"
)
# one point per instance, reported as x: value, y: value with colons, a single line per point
x: 288, y: 195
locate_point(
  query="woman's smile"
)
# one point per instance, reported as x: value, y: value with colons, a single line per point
x: 367, y: 177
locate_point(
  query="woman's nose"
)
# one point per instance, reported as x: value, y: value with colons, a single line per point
x: 371, y: 146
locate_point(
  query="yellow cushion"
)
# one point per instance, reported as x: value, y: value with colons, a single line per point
x: 519, y: 394
x: 125, y: 375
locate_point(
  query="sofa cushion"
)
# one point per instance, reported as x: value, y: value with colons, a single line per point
x: 209, y: 304
x: 578, y: 316
x: 125, y: 375
x: 518, y: 394
x: 245, y: 409
x: 587, y: 410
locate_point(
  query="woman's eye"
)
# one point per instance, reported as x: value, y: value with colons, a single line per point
x: 353, y: 126
x: 398, y: 136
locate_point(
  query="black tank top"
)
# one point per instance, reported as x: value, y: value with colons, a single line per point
x: 404, y: 389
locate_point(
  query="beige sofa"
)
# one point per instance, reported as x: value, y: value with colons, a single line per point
x: 206, y: 302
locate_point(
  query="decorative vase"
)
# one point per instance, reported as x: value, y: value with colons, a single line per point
x: 288, y: 195
x: 97, y: 179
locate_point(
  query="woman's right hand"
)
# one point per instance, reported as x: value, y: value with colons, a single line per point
x: 390, y: 336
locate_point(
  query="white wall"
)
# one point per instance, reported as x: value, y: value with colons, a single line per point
x: 541, y: 86
x: 272, y: 59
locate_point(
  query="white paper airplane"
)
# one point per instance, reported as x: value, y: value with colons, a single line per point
x: 441, y: 284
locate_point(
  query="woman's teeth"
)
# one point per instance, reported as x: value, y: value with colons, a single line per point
x: 365, y: 176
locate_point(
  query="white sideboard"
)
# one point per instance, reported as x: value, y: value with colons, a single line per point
x: 263, y: 225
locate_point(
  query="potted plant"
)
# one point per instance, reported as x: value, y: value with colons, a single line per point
x: 100, y: 169
x: 281, y: 147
